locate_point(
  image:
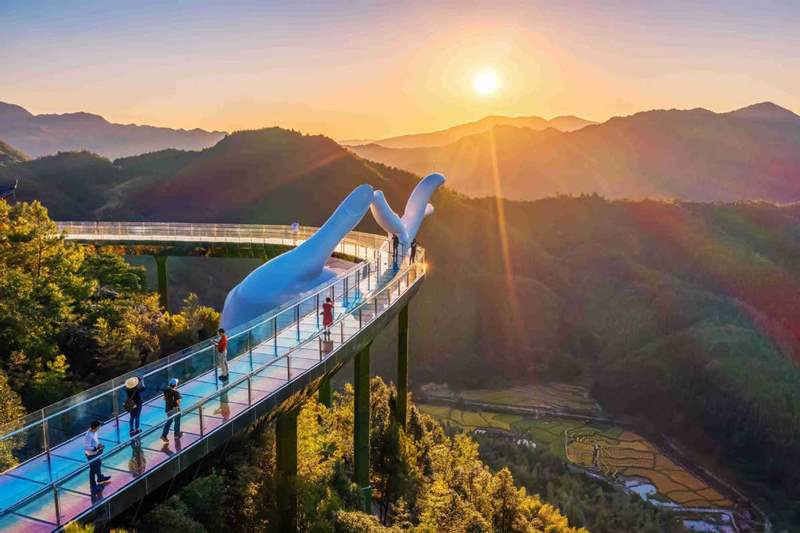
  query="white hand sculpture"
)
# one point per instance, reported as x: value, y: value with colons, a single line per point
x: 417, y: 208
x: 284, y: 277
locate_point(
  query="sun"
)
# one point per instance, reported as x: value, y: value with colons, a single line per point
x: 485, y: 82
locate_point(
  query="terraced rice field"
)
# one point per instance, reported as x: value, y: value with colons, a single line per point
x: 557, y: 397
x: 469, y: 420
x: 627, y: 455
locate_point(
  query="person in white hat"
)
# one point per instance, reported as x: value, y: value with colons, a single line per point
x: 133, y: 402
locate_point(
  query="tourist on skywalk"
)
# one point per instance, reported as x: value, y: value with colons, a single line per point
x: 133, y: 402
x: 395, y: 246
x: 221, y: 344
x: 172, y: 403
x: 327, y: 318
x: 92, y: 448
x: 413, y: 250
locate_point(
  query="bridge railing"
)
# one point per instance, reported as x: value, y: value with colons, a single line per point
x: 364, y: 309
x: 31, y: 438
x: 353, y: 244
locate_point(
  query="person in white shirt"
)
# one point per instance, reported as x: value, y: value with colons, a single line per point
x: 92, y: 448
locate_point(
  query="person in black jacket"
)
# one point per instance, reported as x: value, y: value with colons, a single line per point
x: 133, y: 402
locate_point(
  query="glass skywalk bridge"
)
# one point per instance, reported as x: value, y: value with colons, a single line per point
x: 270, y: 358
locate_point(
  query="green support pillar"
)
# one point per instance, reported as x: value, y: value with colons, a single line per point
x: 161, y: 267
x: 286, y: 462
x: 402, y: 367
x: 361, y: 426
x: 325, y: 392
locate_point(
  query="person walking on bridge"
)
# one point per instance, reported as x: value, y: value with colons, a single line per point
x: 221, y: 344
x: 133, y: 403
x: 395, y: 250
x: 92, y: 448
x: 172, y: 403
x: 327, y: 318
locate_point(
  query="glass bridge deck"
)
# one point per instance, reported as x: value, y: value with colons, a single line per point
x: 49, y: 485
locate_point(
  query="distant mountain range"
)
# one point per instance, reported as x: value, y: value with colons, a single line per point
x: 39, y: 135
x: 696, y: 154
x: 451, y: 135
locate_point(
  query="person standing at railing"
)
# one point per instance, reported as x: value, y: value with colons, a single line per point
x: 221, y: 344
x: 172, y: 403
x: 133, y: 403
x: 327, y: 318
x: 92, y: 448
x: 413, y: 250
x: 395, y: 250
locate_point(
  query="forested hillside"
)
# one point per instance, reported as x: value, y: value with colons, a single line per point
x: 683, y: 314
x: 422, y: 480
x: 72, y: 316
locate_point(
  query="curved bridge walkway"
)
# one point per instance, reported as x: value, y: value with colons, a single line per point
x: 274, y: 358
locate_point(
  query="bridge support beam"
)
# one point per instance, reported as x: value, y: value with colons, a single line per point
x: 286, y: 464
x: 361, y: 426
x: 402, y: 367
x: 161, y: 268
x: 325, y: 395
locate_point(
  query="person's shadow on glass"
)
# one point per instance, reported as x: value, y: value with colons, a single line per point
x: 224, y: 408
x: 137, y: 464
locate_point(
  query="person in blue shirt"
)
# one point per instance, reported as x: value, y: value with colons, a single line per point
x: 92, y: 448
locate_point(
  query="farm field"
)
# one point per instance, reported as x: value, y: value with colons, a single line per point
x: 554, y: 396
x: 628, y: 456
x: 612, y: 451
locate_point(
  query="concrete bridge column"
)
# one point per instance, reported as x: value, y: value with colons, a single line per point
x: 161, y: 267
x: 361, y: 426
x: 402, y: 367
x: 325, y: 395
x: 286, y: 464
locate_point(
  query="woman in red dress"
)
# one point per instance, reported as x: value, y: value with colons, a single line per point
x: 327, y: 318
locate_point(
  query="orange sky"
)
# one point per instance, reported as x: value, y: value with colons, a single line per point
x: 370, y: 70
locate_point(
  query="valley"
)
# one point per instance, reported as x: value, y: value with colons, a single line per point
x: 563, y: 420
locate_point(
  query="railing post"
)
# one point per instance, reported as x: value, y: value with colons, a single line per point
x: 200, y: 415
x: 288, y: 369
x: 275, y: 333
x: 57, y: 506
x: 115, y: 407
x: 359, y: 318
x: 316, y: 299
x: 249, y: 391
x: 250, y: 347
x: 46, y: 442
x: 297, y: 320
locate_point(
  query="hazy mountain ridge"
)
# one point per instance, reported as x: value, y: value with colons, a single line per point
x: 10, y: 155
x: 693, y: 154
x: 47, y: 134
x: 453, y: 134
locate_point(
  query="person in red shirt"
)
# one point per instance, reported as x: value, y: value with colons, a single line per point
x: 327, y: 318
x: 221, y: 344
